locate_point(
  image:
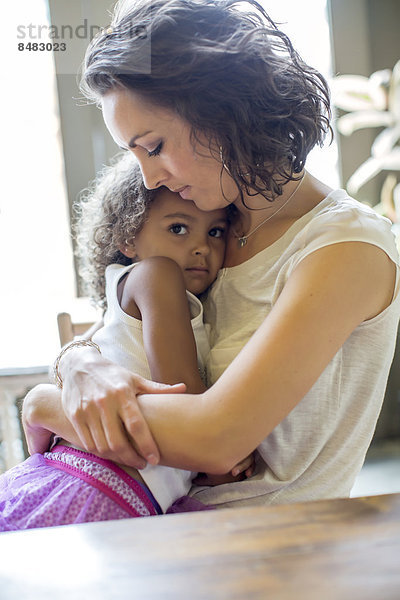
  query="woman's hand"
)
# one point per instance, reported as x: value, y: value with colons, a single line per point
x: 38, y: 438
x: 241, y: 471
x: 99, y: 399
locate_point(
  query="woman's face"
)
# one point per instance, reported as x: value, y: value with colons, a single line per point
x: 161, y: 143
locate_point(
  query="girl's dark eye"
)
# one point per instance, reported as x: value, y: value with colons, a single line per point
x: 156, y: 151
x: 178, y: 229
x: 216, y: 232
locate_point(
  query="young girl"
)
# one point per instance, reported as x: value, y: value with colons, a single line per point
x: 145, y: 248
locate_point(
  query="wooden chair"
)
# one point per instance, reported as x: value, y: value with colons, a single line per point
x: 79, y: 319
x: 68, y: 329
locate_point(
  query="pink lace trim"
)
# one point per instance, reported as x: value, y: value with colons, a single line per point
x: 104, y: 475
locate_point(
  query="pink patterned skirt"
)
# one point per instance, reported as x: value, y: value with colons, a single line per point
x: 68, y: 486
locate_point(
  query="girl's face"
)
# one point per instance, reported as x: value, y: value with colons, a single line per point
x: 194, y: 239
x: 161, y: 143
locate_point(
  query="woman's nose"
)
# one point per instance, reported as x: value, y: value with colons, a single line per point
x: 153, y: 176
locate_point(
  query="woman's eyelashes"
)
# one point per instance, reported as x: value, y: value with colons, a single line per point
x: 156, y: 150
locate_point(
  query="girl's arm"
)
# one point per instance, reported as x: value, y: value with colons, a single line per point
x: 156, y: 288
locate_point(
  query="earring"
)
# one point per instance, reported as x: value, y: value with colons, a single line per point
x: 128, y: 248
x: 222, y: 160
x: 127, y: 244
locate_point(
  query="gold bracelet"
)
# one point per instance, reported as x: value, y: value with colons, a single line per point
x: 75, y: 344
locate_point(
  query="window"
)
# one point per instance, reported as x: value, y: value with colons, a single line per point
x: 36, y: 267
x: 307, y: 25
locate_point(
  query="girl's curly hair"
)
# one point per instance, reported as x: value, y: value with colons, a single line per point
x: 226, y: 69
x: 107, y: 216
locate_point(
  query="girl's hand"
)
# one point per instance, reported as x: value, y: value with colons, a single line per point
x: 99, y: 399
x: 241, y: 471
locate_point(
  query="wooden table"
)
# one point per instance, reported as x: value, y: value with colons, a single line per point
x: 339, y: 549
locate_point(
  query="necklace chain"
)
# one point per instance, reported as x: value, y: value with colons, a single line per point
x: 242, y: 240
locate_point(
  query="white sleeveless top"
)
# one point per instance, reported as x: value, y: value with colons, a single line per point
x: 319, y: 448
x: 121, y: 341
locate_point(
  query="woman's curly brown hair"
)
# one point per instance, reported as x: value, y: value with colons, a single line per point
x: 107, y: 216
x: 226, y: 69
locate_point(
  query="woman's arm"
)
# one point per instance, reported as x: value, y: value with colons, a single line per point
x: 328, y: 295
x: 42, y: 416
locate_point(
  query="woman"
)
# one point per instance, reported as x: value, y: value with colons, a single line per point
x: 303, y: 315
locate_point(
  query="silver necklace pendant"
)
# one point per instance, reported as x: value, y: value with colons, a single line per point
x: 242, y: 241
